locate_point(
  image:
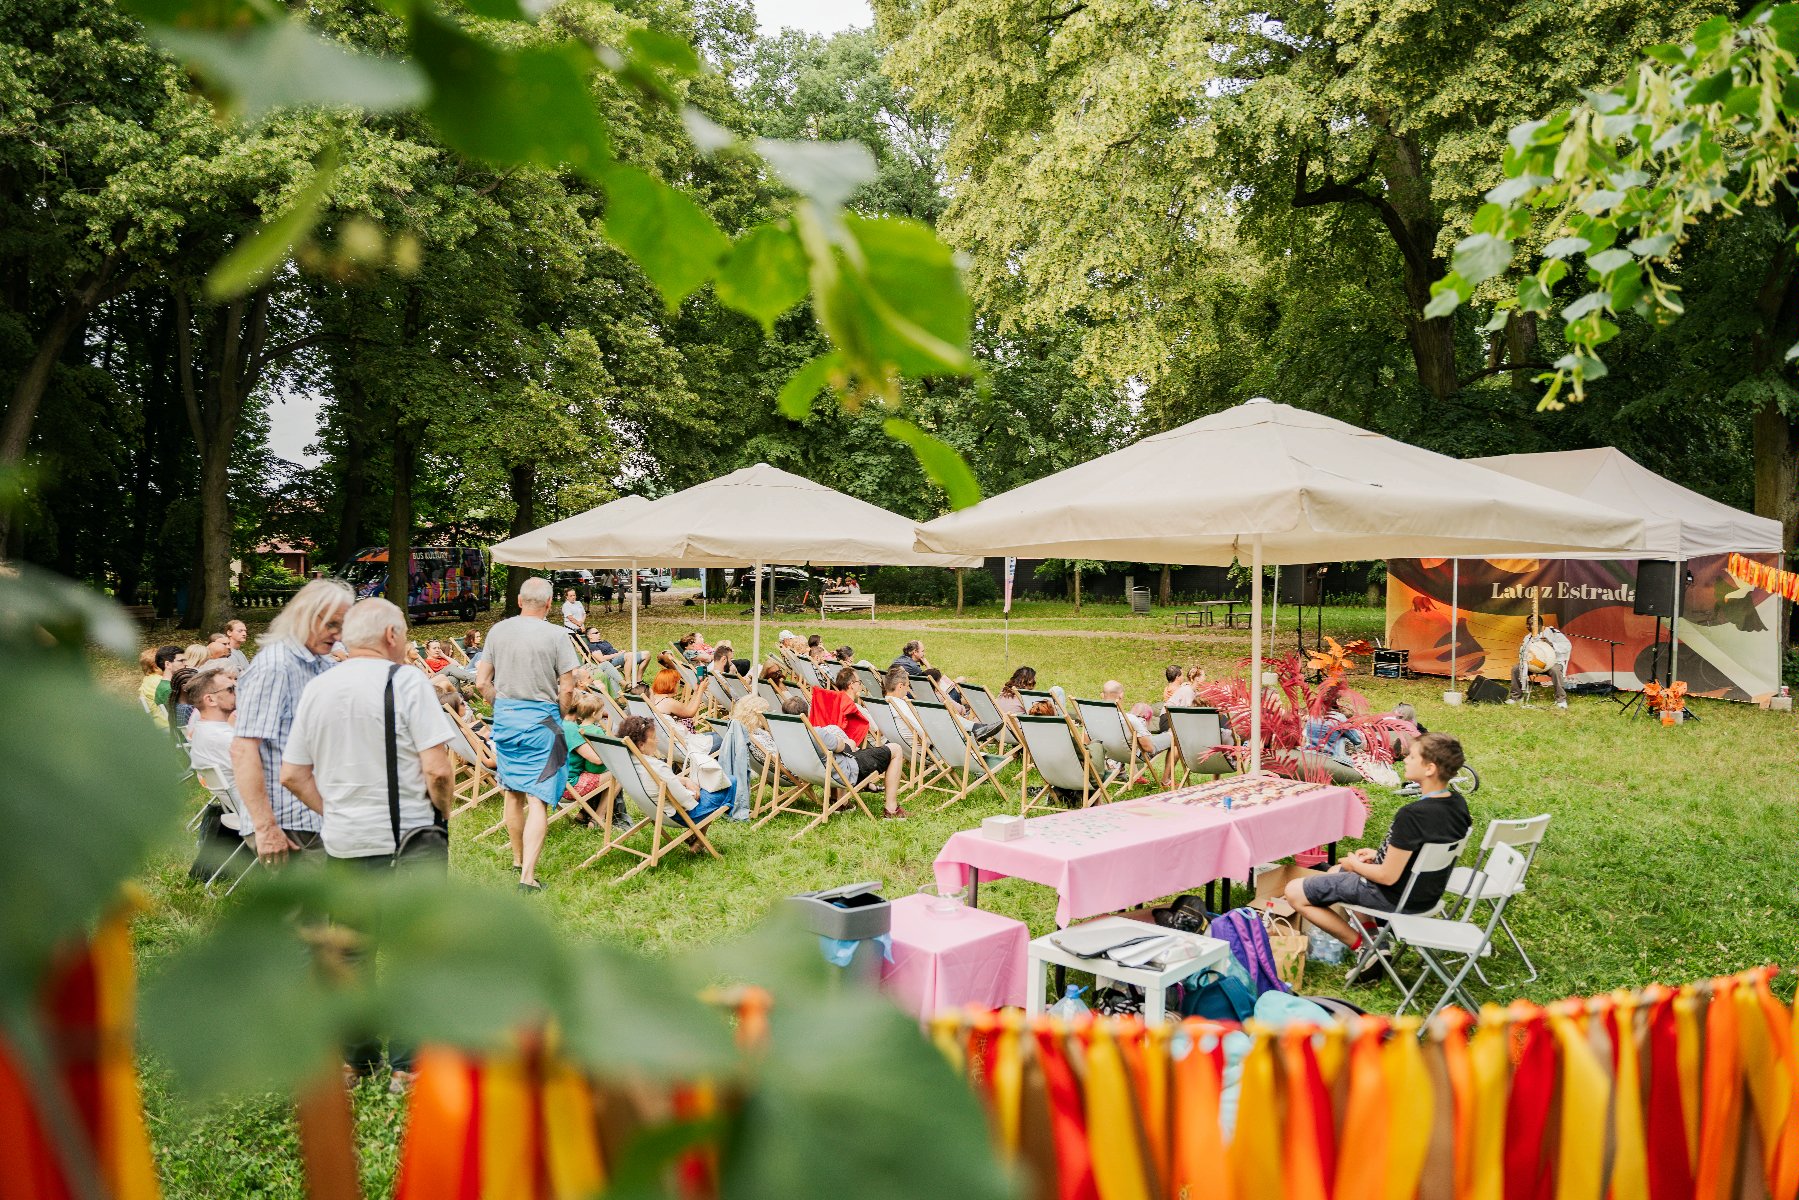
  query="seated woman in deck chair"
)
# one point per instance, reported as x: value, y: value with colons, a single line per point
x: 662, y: 699
x: 697, y: 804
x: 454, y: 704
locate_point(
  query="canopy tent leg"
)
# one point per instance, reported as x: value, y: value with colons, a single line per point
x: 756, y: 625
x: 1455, y: 620
x: 635, y: 675
x: 1680, y: 572
x: 1255, y: 657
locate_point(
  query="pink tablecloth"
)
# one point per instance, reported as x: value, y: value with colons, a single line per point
x: 1118, y: 856
x: 943, y: 962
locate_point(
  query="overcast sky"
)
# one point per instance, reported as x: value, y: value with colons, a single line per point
x: 816, y: 16
x: 294, y: 420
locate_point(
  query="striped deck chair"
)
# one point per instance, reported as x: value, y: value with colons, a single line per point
x: 871, y: 680
x: 987, y: 712
x: 1056, y: 749
x: 1198, y: 742
x: 668, y: 822
x: 1030, y: 700
x: 951, y: 755
x: 804, y: 761
x: 1106, y: 724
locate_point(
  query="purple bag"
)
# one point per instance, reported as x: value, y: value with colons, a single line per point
x: 1241, y: 929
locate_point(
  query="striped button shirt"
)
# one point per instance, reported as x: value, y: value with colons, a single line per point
x: 268, y: 692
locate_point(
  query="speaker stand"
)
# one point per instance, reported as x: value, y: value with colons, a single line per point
x: 1655, y: 672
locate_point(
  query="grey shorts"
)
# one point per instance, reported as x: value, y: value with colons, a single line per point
x: 1340, y: 887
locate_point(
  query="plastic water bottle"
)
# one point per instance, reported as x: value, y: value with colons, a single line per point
x: 1070, y: 1005
x: 1227, y: 802
x: 1324, y: 949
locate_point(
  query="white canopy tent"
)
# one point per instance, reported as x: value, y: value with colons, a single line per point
x: 533, y: 549
x: 1284, y: 486
x: 753, y: 517
x: 1678, y: 523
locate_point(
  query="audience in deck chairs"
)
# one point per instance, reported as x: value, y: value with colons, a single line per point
x: 440, y: 661
x: 604, y: 651
x: 724, y: 662
x: 218, y: 653
x: 456, y: 706
x: 652, y: 770
x: 181, y: 709
x: 693, y: 648
x: 914, y: 663
x: 1008, y: 700
x: 1137, y: 717
x: 855, y: 764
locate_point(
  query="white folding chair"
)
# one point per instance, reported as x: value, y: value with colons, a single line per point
x: 232, y: 816
x: 656, y: 808
x: 1433, y: 936
x: 803, y: 759
x: 1052, y: 745
x: 1199, y: 742
x: 1525, y: 836
x: 1427, y: 859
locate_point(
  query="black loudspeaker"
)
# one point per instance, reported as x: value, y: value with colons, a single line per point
x: 1655, y: 588
x: 1482, y: 690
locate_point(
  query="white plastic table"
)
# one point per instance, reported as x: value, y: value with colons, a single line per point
x: 1205, y: 952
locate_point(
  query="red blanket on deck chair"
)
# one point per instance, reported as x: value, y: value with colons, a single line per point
x: 834, y: 708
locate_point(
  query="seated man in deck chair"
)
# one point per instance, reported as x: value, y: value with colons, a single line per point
x: 1148, y: 744
x: 856, y: 764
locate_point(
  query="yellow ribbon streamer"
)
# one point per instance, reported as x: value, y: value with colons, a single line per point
x: 124, y: 1143
x: 571, y: 1135
x: 508, y: 1145
x: 1255, y: 1151
x: 1487, y: 1054
x: 1687, y: 1042
x: 1630, y: 1162
x: 1007, y: 1084
x: 1111, y: 1134
x: 1585, y: 1092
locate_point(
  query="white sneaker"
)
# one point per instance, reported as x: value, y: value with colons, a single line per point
x: 1509, y: 700
x: 1562, y: 704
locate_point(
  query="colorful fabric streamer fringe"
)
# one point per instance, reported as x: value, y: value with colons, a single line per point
x: 1772, y: 580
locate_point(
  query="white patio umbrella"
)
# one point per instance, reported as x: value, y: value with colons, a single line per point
x: 754, y: 517
x: 533, y: 549
x: 1278, y: 485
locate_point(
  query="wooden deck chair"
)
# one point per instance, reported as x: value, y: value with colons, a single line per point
x: 919, y: 688
x: 218, y: 786
x: 481, y: 782
x: 1107, y: 724
x: 733, y: 687
x: 1054, y: 747
x: 669, y: 824
x: 805, y: 761
x: 766, y: 690
x: 951, y: 755
x: 1198, y: 736
x: 669, y: 746
x: 614, y: 678
x: 809, y: 676
x: 871, y: 680
x: 611, y: 712
x: 898, y: 731
x: 690, y: 681
x: 799, y: 668
x: 1030, y: 700
x: 987, y: 712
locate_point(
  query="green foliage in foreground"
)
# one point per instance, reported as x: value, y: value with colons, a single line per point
x: 1668, y: 858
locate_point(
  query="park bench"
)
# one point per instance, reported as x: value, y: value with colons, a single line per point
x: 143, y: 614
x: 832, y: 602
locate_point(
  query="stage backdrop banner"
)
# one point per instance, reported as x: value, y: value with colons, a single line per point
x: 1729, y: 648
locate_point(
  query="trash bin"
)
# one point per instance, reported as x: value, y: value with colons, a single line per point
x: 855, y: 913
x: 1139, y: 600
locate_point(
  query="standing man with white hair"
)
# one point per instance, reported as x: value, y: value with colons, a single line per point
x: 295, y: 651
x: 336, y: 759
x: 528, y: 675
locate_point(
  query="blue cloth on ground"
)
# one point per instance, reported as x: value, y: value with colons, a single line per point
x: 528, y: 744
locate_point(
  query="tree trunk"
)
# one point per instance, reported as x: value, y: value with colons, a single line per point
x: 959, y: 591
x: 1077, y: 589
x: 1165, y: 588
x: 1521, y: 347
x: 399, y: 526
x: 523, y: 485
x: 1775, y: 436
x: 353, y: 487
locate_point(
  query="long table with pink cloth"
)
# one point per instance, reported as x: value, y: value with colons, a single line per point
x: 1124, y: 854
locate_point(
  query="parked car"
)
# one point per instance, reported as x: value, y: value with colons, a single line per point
x: 445, y: 581
x: 581, y: 581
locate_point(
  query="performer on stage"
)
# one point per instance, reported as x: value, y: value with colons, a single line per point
x: 1544, y: 651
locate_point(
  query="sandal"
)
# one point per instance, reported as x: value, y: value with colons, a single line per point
x: 530, y: 889
x: 898, y: 814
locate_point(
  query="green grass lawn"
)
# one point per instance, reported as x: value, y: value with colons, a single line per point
x: 1669, y: 856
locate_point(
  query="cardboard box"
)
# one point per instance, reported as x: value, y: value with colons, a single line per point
x: 1271, y: 882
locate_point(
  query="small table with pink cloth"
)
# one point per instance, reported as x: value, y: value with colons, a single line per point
x: 1124, y: 854
x: 946, y: 960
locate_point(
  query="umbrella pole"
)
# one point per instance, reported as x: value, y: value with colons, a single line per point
x: 635, y: 675
x: 1255, y: 658
x: 756, y: 626
x: 1680, y: 571
x: 1455, y: 618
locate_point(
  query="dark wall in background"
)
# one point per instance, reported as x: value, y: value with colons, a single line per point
x: 1204, y: 582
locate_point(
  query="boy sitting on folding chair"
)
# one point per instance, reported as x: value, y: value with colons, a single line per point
x: 1378, y: 879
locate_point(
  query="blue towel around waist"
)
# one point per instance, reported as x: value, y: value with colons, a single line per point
x: 527, y: 741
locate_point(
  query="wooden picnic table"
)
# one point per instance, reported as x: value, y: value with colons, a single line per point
x: 1203, y: 613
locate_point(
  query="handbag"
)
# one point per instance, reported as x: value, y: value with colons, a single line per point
x: 1289, y: 947
x: 1218, y: 997
x: 428, y: 844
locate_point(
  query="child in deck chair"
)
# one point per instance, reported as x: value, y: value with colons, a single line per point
x: 1377, y: 878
